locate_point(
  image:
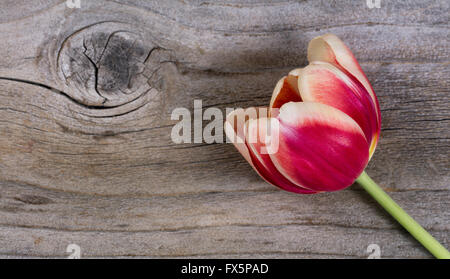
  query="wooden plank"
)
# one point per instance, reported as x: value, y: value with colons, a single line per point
x: 85, y: 150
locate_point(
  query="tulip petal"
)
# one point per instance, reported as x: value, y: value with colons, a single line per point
x: 257, y: 130
x: 320, y: 147
x: 236, y: 129
x: 329, y: 48
x: 285, y: 91
x: 324, y: 83
x: 296, y: 72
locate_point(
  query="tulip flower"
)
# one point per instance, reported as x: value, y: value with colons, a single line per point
x: 326, y: 121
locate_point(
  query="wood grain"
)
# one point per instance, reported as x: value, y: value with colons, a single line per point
x: 85, y: 150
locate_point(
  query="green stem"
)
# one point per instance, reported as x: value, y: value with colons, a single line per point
x: 403, y: 218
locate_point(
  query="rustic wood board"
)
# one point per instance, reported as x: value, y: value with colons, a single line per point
x: 85, y: 151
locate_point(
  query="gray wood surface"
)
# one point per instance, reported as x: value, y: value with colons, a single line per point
x: 85, y: 150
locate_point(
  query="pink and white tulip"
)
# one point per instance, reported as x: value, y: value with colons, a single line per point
x: 328, y: 123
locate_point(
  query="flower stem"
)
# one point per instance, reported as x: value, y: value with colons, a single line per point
x: 403, y: 218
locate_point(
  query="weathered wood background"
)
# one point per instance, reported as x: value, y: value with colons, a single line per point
x: 85, y: 150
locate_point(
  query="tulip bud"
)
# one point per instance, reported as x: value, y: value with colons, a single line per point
x: 327, y: 124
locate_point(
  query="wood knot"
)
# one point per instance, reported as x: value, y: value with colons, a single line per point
x: 110, y: 64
